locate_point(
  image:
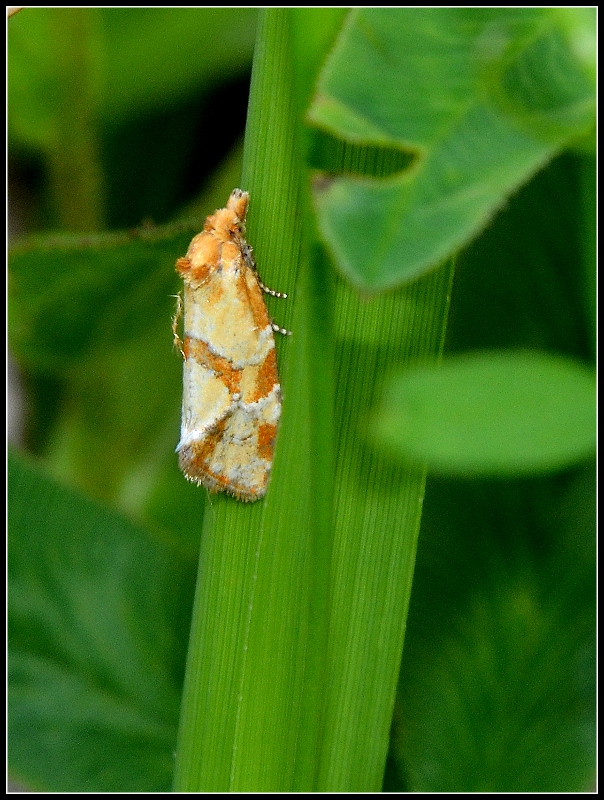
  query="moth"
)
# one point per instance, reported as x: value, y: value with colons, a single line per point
x: 231, y: 402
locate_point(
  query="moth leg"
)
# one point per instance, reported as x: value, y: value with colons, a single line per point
x: 178, y: 343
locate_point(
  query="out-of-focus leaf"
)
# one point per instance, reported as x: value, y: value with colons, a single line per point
x: 72, y: 295
x: 481, y: 97
x: 499, y: 413
x: 99, y: 610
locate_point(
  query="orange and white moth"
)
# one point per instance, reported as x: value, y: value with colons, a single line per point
x: 231, y: 394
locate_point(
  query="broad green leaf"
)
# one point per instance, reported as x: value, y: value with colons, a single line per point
x: 481, y: 97
x: 72, y: 296
x: 499, y: 413
x: 89, y: 321
x: 98, y: 616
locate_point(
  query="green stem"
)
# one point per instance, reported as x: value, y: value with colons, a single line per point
x: 75, y: 173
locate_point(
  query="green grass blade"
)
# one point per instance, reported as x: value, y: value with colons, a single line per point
x: 378, y: 508
x: 244, y: 688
